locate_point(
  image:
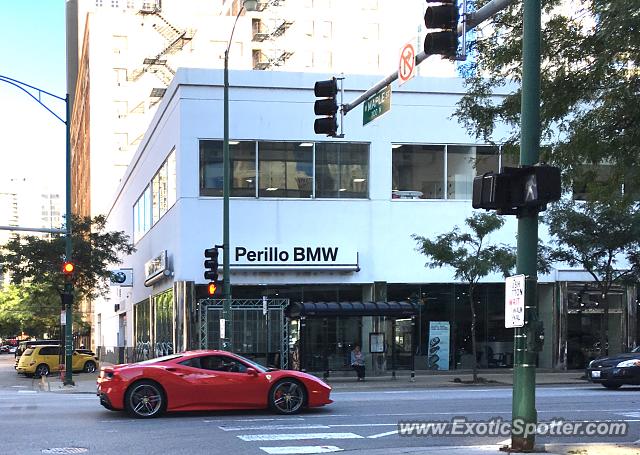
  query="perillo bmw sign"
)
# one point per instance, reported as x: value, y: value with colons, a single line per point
x: 295, y: 257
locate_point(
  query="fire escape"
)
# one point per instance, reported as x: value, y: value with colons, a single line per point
x: 175, y: 39
x: 262, y: 33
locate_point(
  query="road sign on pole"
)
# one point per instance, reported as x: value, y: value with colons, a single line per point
x: 376, y: 105
x: 407, y: 63
x: 514, y: 301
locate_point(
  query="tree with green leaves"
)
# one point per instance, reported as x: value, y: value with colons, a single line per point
x: 602, y: 237
x: 590, y: 115
x: 36, y: 261
x: 471, y: 259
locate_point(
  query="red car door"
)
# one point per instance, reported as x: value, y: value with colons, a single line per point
x: 227, y: 384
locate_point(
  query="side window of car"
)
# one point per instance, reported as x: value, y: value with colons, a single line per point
x: 193, y: 363
x: 221, y: 363
x: 232, y: 365
x: 45, y: 351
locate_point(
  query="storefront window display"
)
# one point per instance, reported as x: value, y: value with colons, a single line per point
x: 142, y: 327
x: 163, y: 323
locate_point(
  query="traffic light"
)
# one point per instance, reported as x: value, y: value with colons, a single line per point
x: 211, y: 288
x: 67, y: 269
x: 211, y: 263
x: 517, y: 188
x: 442, y: 20
x: 326, y: 106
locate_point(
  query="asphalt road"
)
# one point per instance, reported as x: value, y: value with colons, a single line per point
x: 36, y: 422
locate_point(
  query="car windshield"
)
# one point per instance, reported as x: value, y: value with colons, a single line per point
x: 166, y: 358
x: 255, y: 365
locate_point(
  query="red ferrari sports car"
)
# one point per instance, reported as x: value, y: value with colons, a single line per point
x: 206, y: 380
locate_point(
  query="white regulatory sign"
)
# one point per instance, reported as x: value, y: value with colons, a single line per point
x: 514, y: 301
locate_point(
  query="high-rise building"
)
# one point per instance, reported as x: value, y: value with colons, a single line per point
x: 128, y: 52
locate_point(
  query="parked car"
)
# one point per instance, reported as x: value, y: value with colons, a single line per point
x: 42, y: 360
x: 615, y: 371
x: 4, y: 349
x: 24, y: 345
x: 206, y: 380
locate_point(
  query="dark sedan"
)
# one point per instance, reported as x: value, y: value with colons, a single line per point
x: 616, y: 371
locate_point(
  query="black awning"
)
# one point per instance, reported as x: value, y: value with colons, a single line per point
x: 321, y: 309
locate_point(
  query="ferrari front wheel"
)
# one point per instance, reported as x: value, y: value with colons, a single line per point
x: 145, y: 399
x: 287, y: 396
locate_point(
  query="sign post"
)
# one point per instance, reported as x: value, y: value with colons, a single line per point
x: 376, y: 105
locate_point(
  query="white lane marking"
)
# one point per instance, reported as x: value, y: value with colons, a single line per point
x: 381, y: 435
x: 506, y: 441
x: 363, y: 425
x: 300, y: 450
x: 274, y: 427
x: 630, y: 414
x: 298, y: 436
x: 286, y: 419
x: 27, y: 391
x: 19, y: 386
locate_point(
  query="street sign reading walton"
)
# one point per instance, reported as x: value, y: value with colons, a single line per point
x: 376, y: 105
x: 514, y: 301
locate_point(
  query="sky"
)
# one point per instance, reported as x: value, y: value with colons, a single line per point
x: 33, y: 37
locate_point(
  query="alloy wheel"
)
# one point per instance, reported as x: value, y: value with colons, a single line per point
x: 145, y: 400
x: 288, y: 397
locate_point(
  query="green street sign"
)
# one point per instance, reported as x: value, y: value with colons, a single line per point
x: 376, y: 105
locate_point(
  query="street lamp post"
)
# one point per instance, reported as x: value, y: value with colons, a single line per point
x: 249, y: 5
x: 67, y: 297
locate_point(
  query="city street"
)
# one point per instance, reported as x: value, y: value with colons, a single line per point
x: 45, y: 422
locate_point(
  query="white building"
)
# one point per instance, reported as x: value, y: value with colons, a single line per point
x: 343, y: 210
x: 128, y: 51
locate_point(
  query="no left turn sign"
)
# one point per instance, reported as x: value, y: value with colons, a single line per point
x: 407, y: 63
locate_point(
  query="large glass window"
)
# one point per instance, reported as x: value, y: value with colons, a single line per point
x: 464, y: 162
x: 142, y: 327
x: 163, y: 323
x: 157, y: 198
x: 342, y: 170
x: 418, y: 171
x: 285, y: 170
x: 242, y: 156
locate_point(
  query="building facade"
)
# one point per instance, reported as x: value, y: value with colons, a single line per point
x: 322, y: 256
x: 128, y: 52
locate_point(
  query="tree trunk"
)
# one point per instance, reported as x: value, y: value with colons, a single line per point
x: 474, y: 348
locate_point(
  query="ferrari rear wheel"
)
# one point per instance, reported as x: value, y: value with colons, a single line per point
x: 145, y: 399
x: 287, y: 396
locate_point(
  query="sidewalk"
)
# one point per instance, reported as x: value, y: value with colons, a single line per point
x: 547, y: 449
x: 452, y: 379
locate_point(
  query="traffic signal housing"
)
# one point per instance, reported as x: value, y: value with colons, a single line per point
x: 326, y: 106
x: 211, y: 264
x: 211, y: 288
x: 442, y: 20
x: 517, y: 189
x: 68, y: 268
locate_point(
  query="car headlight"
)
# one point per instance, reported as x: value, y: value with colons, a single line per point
x: 629, y: 363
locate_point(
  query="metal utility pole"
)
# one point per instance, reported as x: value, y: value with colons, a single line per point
x: 67, y: 297
x: 524, y: 369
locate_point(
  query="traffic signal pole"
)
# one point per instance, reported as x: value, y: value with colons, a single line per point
x: 67, y: 297
x: 68, y: 285
x: 472, y: 20
x: 524, y: 369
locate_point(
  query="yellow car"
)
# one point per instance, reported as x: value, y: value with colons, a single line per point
x: 42, y: 360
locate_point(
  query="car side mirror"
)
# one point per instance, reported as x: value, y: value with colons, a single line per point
x: 252, y: 371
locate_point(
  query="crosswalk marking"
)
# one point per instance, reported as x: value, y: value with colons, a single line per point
x: 297, y: 436
x: 381, y: 435
x: 300, y: 450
